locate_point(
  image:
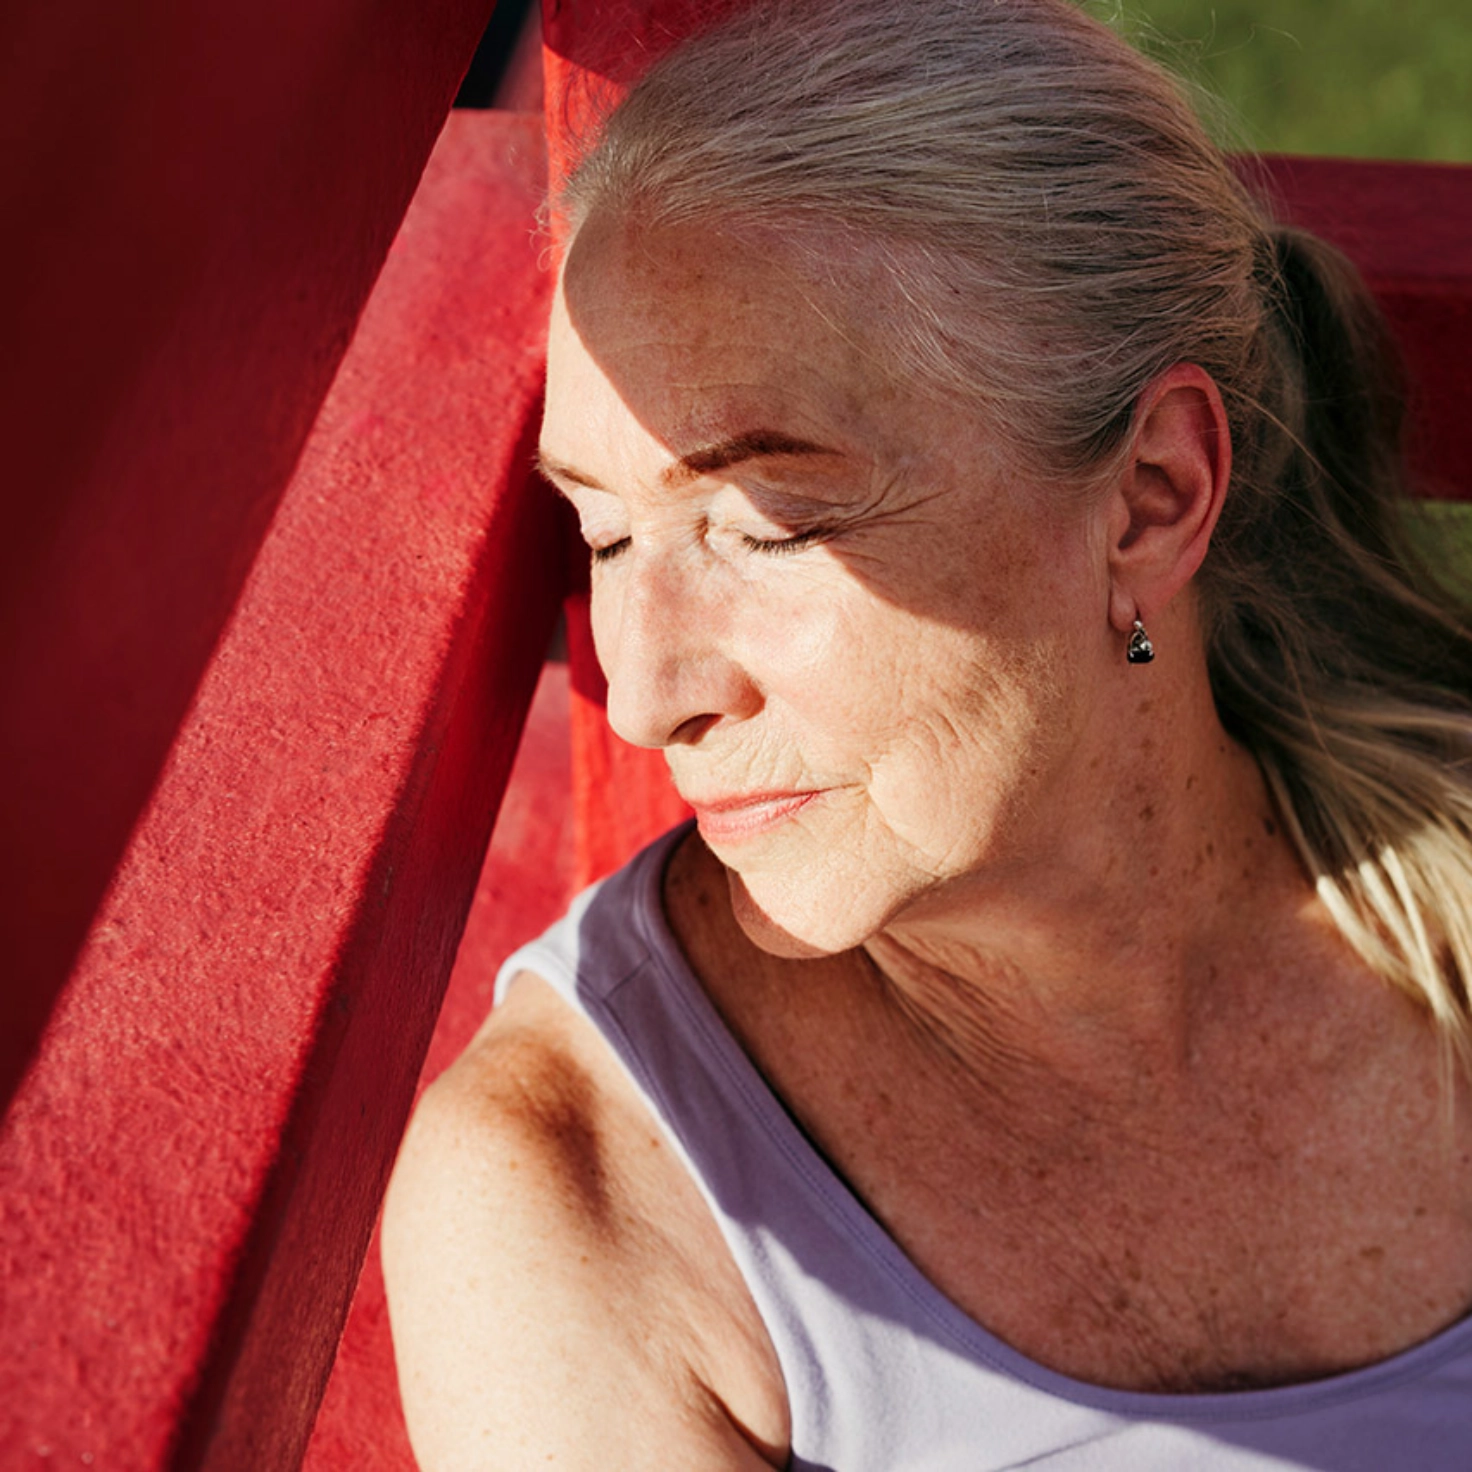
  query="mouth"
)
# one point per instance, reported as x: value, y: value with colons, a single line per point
x: 726, y: 820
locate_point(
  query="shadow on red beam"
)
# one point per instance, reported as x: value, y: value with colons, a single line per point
x: 194, y: 1163
x: 196, y: 202
x: 526, y: 884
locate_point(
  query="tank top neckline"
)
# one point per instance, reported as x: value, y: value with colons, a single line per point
x: 836, y: 1199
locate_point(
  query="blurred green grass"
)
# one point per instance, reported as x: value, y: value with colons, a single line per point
x: 1355, y: 78
x: 1441, y: 535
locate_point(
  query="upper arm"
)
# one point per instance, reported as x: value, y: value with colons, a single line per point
x: 536, y: 1312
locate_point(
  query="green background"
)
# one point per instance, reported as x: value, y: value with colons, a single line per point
x: 1357, y: 78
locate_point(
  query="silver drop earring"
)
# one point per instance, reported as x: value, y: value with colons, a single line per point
x: 1140, y: 650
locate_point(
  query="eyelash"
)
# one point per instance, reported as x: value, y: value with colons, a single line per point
x: 778, y: 546
x: 772, y: 547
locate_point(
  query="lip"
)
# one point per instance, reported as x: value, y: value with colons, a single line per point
x: 747, y: 814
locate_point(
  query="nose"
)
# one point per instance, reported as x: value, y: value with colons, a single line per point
x: 664, y: 633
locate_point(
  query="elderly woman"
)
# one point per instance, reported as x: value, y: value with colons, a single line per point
x: 1047, y: 1047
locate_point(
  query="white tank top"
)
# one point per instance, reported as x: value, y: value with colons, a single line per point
x: 883, y: 1372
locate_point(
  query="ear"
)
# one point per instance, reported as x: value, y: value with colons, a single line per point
x: 1169, y: 494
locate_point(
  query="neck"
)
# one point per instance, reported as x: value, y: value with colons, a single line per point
x: 1121, y: 928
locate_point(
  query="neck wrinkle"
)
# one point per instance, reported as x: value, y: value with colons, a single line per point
x: 1094, y: 976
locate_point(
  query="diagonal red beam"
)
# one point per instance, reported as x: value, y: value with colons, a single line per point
x: 1408, y: 226
x: 193, y: 1166
x: 197, y: 199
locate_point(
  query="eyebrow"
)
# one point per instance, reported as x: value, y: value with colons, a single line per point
x: 753, y: 444
x: 555, y: 470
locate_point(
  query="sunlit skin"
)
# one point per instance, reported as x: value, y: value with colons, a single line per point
x: 900, y: 619
x: 1010, y: 926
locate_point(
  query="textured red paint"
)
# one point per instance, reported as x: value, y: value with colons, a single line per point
x: 196, y: 201
x: 526, y: 884
x: 194, y: 1163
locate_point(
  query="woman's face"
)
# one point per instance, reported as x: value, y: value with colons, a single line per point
x: 865, y: 641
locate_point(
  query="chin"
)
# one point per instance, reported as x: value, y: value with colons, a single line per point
x: 800, y: 922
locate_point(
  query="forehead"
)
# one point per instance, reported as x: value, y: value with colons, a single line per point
x: 702, y: 333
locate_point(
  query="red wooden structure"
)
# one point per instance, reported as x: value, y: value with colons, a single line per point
x: 276, y: 591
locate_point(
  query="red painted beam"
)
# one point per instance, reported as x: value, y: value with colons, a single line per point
x: 196, y: 201
x: 194, y: 1163
x: 526, y: 884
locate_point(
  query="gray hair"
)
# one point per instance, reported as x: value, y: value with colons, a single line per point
x: 1063, y: 231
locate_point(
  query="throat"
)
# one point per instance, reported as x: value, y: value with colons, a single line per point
x: 1106, y: 1052
x: 1254, y: 1189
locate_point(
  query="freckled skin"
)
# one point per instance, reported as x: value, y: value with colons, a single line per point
x: 1036, y: 969
x: 1068, y: 880
x: 921, y: 664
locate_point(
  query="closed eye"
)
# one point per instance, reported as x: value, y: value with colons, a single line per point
x: 780, y: 545
x: 771, y: 546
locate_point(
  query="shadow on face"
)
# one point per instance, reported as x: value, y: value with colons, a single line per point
x: 813, y: 576
x: 694, y: 369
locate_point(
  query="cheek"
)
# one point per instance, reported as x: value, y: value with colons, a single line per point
x: 803, y: 633
x: 971, y: 746
x: 975, y: 715
x: 853, y: 674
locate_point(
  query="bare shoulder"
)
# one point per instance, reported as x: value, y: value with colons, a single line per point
x: 557, y: 1287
